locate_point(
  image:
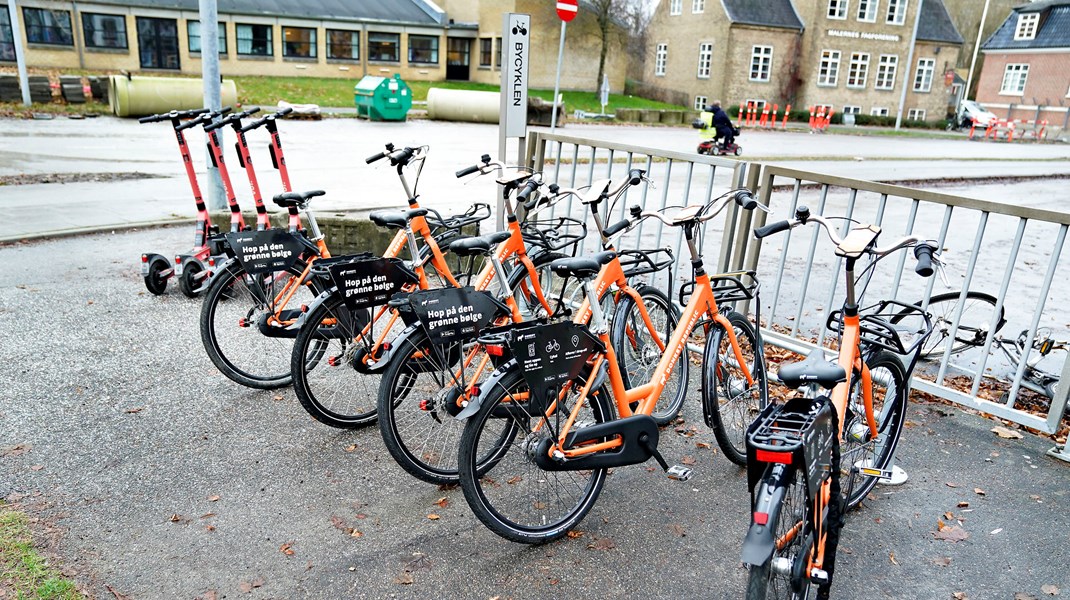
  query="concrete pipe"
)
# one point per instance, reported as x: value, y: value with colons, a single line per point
x: 140, y: 96
x: 463, y: 105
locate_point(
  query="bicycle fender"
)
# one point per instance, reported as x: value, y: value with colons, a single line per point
x: 759, y: 544
x: 396, y: 343
x: 323, y: 296
x: 220, y: 268
x: 491, y: 383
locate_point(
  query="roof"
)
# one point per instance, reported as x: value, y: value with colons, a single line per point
x: 1054, y: 30
x: 395, y: 11
x: 936, y: 25
x: 769, y: 13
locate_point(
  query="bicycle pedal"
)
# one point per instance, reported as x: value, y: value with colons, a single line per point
x: 678, y: 473
x: 879, y: 473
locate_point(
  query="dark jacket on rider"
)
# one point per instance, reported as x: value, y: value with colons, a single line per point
x: 722, y: 123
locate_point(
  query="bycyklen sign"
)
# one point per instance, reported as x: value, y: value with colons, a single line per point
x: 514, y: 107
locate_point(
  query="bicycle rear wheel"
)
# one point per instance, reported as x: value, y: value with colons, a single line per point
x: 860, y: 448
x: 729, y: 401
x: 638, y: 353
x: 245, y: 327
x: 504, y: 486
x: 781, y: 576
x: 978, y: 310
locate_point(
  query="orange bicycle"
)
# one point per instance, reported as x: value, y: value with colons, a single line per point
x: 799, y: 451
x: 534, y: 455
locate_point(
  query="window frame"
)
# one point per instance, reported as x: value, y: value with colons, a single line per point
x: 676, y: 7
x: 831, y: 75
x: 434, y: 50
x: 879, y: 111
x: 486, y: 51
x: 867, y: 11
x: 352, y: 46
x: 923, y: 75
x: 852, y: 109
x: 87, y: 33
x: 661, y: 59
x: 916, y: 114
x: 701, y: 102
x: 837, y: 10
x: 1026, y: 28
x: 311, y: 43
x: 382, y: 36
x: 894, y: 65
x: 252, y: 39
x: 897, y: 12
x: 859, y: 75
x: 7, y: 48
x: 758, y: 54
x: 698, y: 7
x: 189, y: 36
x: 1020, y: 72
x: 27, y: 27
x: 705, y: 60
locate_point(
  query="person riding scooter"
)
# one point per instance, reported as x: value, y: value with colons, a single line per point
x: 716, y: 124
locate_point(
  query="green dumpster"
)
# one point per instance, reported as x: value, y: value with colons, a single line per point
x: 382, y: 98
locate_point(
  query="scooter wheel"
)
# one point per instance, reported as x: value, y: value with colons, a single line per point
x: 702, y: 150
x: 155, y: 280
x: 189, y: 283
x: 739, y: 150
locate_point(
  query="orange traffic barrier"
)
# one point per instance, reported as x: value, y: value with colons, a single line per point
x: 765, y: 116
x: 787, y: 111
x: 811, y: 118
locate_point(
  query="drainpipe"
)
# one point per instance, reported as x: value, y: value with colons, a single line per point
x: 976, y: 47
x: 79, y: 35
x: 20, y: 53
x: 907, y: 79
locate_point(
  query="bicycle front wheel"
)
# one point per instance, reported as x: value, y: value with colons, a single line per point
x: 730, y: 401
x: 246, y: 323
x: 638, y: 353
x: 861, y: 448
x: 504, y: 486
x: 978, y: 311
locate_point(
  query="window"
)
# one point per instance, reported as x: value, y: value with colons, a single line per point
x: 897, y: 12
x: 1014, y: 79
x: 849, y: 109
x: 916, y: 114
x: 923, y: 78
x: 298, y: 42
x: 384, y: 46
x: 254, y: 40
x: 157, y: 43
x: 1027, y: 26
x: 48, y: 26
x: 423, y: 49
x: 676, y: 7
x: 498, y: 52
x: 104, y: 31
x: 701, y: 102
x: 343, y: 45
x: 829, y: 72
x: 877, y: 111
x: 761, y: 61
x: 661, y: 56
x: 7, y: 38
x: 485, y: 52
x: 867, y: 11
x: 705, y: 57
x: 757, y: 104
x: 886, y: 72
x: 858, y: 71
x: 698, y: 6
x: 193, y: 29
x: 837, y: 9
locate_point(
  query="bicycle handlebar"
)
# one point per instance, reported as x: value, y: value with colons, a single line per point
x: 529, y: 186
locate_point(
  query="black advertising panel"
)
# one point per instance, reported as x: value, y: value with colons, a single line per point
x: 263, y: 251
x: 453, y: 314
x: 551, y: 355
x: 371, y: 281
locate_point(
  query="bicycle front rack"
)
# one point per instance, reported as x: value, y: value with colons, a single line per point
x: 883, y: 325
x: 728, y: 288
x: 644, y: 262
x: 554, y: 233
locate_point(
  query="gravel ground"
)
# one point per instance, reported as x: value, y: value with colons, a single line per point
x: 165, y: 480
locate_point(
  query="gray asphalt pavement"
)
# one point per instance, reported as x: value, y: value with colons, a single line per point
x: 162, y: 479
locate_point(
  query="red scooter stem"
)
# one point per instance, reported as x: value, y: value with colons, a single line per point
x: 204, y: 220
x: 246, y: 159
x: 278, y: 160
x: 215, y: 150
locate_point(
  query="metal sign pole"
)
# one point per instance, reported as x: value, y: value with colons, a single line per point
x: 513, y: 116
x: 557, y: 79
x: 20, y: 57
x: 210, y: 74
x: 907, y: 72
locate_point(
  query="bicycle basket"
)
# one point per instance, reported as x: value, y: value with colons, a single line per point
x: 644, y: 262
x: 890, y: 325
x: 799, y: 433
x: 554, y: 233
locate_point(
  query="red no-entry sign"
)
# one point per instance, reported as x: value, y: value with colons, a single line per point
x: 566, y: 9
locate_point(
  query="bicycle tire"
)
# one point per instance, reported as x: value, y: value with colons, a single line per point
x: 763, y: 583
x: 506, y: 475
x: 973, y: 326
x: 890, y: 391
x: 637, y: 353
x: 415, y: 418
x: 328, y: 381
x: 187, y: 282
x: 729, y: 402
x: 233, y: 306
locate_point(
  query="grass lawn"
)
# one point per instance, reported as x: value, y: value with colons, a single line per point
x: 23, y: 572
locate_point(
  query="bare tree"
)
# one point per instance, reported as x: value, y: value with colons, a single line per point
x: 630, y: 16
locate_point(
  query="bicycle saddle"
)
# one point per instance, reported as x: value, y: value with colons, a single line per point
x: 582, y: 267
x: 815, y: 369
x: 289, y: 199
x: 478, y: 245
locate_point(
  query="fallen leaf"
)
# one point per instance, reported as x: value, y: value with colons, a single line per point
x: 942, y: 561
x: 1024, y: 596
x: 1050, y: 590
x: 16, y: 450
x: 602, y: 544
x: 37, y: 467
x: 949, y: 516
x: 213, y: 498
x: 278, y: 397
x: 287, y: 549
x: 208, y: 515
x: 175, y: 518
x: 688, y: 460
x: 575, y: 534
x: 951, y: 485
x: 963, y: 504
x: 701, y: 445
x: 1007, y: 434
x: 248, y: 586
x: 433, y: 517
x: 443, y: 502
x: 361, y: 516
x: 678, y: 530
x: 351, y: 448
x: 891, y: 557
x: 979, y: 491
x: 340, y: 523
x: 515, y: 479
x: 356, y: 533
x: 952, y: 534
x: 136, y: 409
x: 403, y: 579
x: 209, y: 595
x: 209, y: 527
x: 960, y: 596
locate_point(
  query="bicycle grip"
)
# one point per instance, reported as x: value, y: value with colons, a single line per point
x: 525, y: 193
x: 772, y: 228
x: 150, y: 119
x: 467, y: 171
x: 253, y: 125
x: 635, y: 176
x: 616, y: 228
x: 284, y: 112
x: 745, y: 199
x: 924, y: 254
x: 374, y: 158
x: 191, y: 123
